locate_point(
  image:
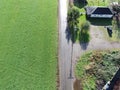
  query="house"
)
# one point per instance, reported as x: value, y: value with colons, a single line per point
x: 99, y: 12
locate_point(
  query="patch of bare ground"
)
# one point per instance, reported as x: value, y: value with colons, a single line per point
x: 77, y: 85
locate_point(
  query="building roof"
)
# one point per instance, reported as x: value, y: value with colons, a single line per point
x: 98, y: 10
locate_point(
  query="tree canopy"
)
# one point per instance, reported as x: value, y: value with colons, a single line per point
x: 72, y: 20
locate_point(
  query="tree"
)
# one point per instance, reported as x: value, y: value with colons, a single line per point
x: 84, y: 35
x: 72, y: 20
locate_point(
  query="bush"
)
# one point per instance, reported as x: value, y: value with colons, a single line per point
x: 72, y: 20
x: 85, y: 26
x: 84, y: 35
x: 72, y: 17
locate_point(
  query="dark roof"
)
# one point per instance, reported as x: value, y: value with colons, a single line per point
x: 98, y: 10
x: 102, y: 10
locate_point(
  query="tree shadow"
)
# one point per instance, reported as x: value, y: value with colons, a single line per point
x: 70, y: 35
x: 80, y: 4
x: 84, y: 45
x: 84, y: 39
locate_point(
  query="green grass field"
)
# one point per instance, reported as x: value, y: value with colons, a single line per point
x: 28, y: 44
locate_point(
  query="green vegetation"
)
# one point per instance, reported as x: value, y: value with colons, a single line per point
x: 98, y: 2
x: 84, y: 35
x: 94, y: 69
x: 82, y: 3
x: 28, y: 44
x: 72, y: 19
x: 116, y: 31
x: 75, y: 24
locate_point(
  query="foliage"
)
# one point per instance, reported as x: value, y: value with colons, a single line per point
x: 28, y: 44
x: 116, y: 8
x: 86, y: 84
x: 99, y: 67
x: 116, y: 30
x: 84, y: 35
x: 72, y: 19
x: 85, y: 26
x: 80, y: 3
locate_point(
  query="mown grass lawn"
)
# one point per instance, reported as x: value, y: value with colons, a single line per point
x: 28, y: 44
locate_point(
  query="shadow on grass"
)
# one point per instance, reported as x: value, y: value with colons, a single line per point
x: 80, y: 4
x: 100, y: 21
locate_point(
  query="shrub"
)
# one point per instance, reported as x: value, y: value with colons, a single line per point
x: 84, y: 35
x: 72, y: 20
x: 101, y: 66
x: 72, y: 17
x: 85, y: 26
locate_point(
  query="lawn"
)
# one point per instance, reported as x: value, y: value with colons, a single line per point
x: 28, y: 44
x: 98, y: 2
x: 95, y: 69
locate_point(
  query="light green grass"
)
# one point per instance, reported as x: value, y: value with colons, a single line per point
x: 98, y: 2
x: 101, y: 2
x: 28, y: 44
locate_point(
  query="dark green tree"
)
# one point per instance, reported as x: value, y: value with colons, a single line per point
x: 73, y: 20
x: 84, y: 35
